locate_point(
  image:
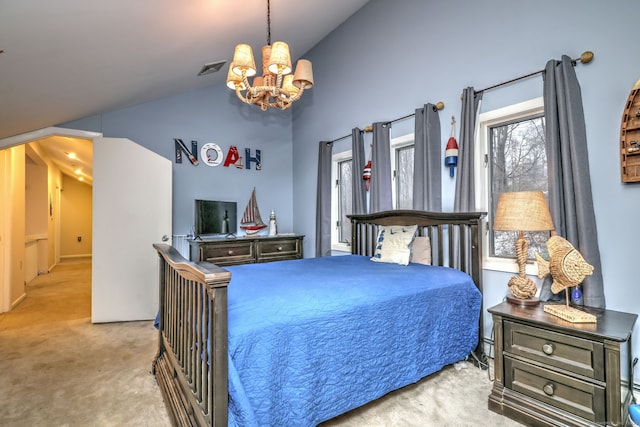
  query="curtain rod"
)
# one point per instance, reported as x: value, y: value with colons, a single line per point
x: 585, y: 58
x: 369, y: 128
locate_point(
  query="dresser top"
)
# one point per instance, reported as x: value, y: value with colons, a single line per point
x: 613, y: 325
x: 245, y: 237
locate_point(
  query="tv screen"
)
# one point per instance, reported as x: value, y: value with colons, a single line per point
x: 215, y: 217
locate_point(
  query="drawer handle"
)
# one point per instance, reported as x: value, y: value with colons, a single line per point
x: 549, y: 389
x: 279, y: 248
x: 548, y: 349
x: 230, y: 253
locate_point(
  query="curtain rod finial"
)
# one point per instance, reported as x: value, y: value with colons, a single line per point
x: 440, y: 105
x: 586, y: 57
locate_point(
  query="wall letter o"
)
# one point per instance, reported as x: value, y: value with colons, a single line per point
x: 207, y: 156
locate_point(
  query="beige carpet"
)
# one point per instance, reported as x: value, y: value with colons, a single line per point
x: 58, y: 369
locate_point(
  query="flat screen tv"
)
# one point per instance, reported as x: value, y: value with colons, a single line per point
x: 215, y: 218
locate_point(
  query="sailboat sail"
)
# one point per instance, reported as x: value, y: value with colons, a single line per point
x: 251, y: 221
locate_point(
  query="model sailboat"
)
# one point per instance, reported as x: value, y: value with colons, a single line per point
x: 251, y: 222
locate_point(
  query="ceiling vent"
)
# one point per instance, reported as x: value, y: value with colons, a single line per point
x: 211, y: 68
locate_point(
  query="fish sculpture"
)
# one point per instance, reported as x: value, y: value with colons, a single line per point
x: 566, y: 265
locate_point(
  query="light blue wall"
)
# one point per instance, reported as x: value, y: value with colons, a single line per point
x: 393, y: 56
x: 388, y: 59
x: 212, y: 115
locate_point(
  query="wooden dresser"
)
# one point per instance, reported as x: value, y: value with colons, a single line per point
x: 246, y: 249
x: 551, y: 372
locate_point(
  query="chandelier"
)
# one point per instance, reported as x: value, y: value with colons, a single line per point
x: 277, y: 87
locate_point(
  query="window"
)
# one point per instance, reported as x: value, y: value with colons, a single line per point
x: 342, y: 175
x: 402, y: 150
x: 341, y: 201
x: 512, y: 158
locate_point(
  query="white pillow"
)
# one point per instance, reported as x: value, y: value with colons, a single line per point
x: 394, y: 244
x: 421, y: 250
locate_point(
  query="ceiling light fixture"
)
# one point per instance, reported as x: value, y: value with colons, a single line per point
x: 277, y: 87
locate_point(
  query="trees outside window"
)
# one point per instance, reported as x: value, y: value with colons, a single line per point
x: 511, y: 156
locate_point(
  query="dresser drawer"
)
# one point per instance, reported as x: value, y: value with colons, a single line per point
x: 228, y: 253
x: 582, y: 398
x: 577, y: 355
x: 271, y: 250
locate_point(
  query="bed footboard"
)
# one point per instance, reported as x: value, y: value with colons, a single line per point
x: 192, y: 359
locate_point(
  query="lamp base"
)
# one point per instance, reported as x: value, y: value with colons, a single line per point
x: 528, y: 302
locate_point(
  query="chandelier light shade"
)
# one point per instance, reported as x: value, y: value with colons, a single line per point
x: 276, y: 87
x: 522, y: 211
x: 279, y: 61
x: 243, y: 62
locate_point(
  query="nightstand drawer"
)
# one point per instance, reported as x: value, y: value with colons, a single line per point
x: 577, y: 355
x: 584, y: 399
x: 275, y: 249
x: 228, y: 253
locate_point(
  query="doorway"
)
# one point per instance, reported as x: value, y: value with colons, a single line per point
x: 36, y: 231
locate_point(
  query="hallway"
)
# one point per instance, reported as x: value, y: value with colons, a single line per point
x: 58, y: 369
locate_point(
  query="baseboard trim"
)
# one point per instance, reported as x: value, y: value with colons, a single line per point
x: 18, y: 301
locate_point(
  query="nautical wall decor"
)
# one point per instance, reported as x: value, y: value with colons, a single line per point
x: 211, y: 155
x: 630, y: 137
x: 451, y: 151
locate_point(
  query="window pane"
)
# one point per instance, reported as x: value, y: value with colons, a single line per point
x: 404, y: 178
x: 345, y: 188
x: 518, y: 163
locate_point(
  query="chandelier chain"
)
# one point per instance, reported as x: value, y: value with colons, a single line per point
x: 268, y: 22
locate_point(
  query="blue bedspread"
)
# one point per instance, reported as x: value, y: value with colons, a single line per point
x: 313, y: 338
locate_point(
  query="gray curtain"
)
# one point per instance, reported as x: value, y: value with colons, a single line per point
x: 359, y: 196
x: 427, y: 157
x: 381, y: 169
x: 570, y: 198
x: 323, y: 200
x: 465, y: 197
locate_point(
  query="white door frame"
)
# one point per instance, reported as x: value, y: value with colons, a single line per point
x: 5, y: 303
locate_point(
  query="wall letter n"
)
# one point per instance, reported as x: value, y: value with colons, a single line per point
x: 192, y: 155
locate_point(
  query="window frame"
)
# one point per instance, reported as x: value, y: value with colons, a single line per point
x: 337, y: 158
x: 498, y: 116
x: 396, y: 144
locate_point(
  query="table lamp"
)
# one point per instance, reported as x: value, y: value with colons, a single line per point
x: 522, y: 211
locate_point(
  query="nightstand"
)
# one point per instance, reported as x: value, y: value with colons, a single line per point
x: 549, y: 371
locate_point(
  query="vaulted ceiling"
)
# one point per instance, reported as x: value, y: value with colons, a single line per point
x: 66, y: 59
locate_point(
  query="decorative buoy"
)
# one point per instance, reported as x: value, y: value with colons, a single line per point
x: 451, y: 152
x: 366, y: 174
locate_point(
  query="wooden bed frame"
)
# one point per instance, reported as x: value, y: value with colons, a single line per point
x: 191, y: 365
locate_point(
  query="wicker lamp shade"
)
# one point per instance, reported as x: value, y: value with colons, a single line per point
x: 522, y: 211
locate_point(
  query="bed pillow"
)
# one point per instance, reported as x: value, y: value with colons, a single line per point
x: 394, y: 244
x: 421, y: 250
